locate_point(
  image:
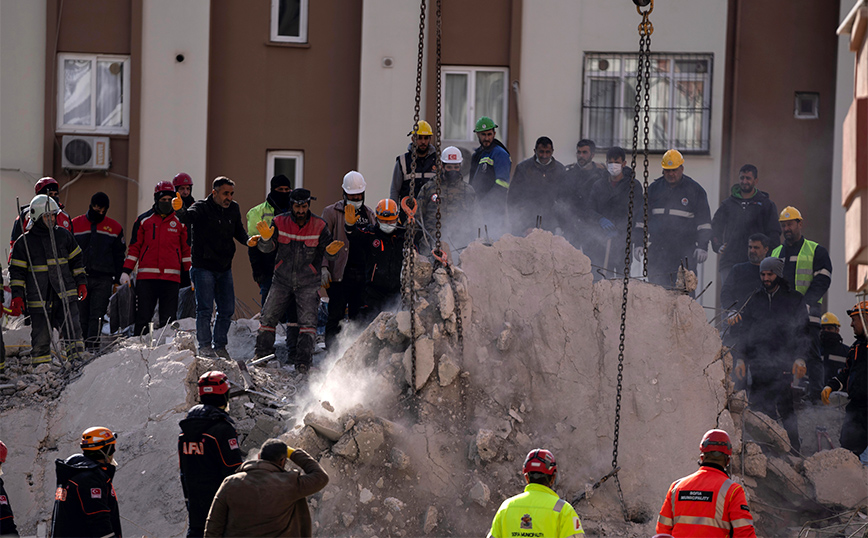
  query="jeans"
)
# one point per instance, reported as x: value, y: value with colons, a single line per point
x: 211, y: 287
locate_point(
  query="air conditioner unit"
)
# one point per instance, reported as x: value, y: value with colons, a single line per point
x: 85, y: 152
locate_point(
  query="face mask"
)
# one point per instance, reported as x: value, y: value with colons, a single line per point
x: 387, y: 227
x: 95, y: 217
x: 357, y: 205
x: 614, y: 169
x: 281, y: 199
x: 453, y: 175
x: 165, y: 208
x: 828, y: 337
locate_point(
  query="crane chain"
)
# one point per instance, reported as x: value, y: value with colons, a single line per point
x: 642, y: 84
x: 438, y: 178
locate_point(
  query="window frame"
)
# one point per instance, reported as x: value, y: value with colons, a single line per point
x: 471, y: 70
x: 673, y: 78
x: 125, y: 94
x: 271, y: 155
x: 275, y: 37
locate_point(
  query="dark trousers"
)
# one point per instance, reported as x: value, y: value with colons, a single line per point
x: 2, y: 353
x: 148, y: 293
x: 378, y: 299
x: 195, y: 532
x: 347, y: 296
x: 814, y: 363
x: 93, y: 308
x: 279, y: 299
x: 771, y: 394
x: 40, y: 329
x: 287, y: 317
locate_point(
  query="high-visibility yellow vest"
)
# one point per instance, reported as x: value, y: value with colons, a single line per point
x: 804, y: 265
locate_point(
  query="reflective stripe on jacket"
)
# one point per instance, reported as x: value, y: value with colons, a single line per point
x: 102, y: 243
x: 32, y: 266
x: 160, y: 249
x: 300, y: 250
x: 536, y: 512
x: 808, y: 267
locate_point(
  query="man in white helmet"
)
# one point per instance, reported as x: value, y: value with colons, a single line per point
x: 344, y: 276
x: 456, y: 203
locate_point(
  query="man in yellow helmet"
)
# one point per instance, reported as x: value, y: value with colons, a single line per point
x: 426, y: 160
x: 808, y: 268
x: 832, y: 346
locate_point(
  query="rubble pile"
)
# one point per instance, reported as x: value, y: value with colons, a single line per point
x: 515, y: 350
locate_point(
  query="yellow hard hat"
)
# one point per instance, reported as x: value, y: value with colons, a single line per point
x: 790, y: 213
x: 672, y: 159
x: 830, y: 319
x: 423, y: 128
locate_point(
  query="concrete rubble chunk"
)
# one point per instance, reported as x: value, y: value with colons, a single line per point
x: 369, y: 438
x: 755, y: 462
x: 346, y: 447
x: 727, y: 424
x: 393, y: 504
x: 504, y: 339
x: 486, y: 445
x: 325, y: 426
x: 479, y: 493
x: 399, y: 459
x: 791, y: 479
x: 446, y: 302
x: 424, y: 361
x: 365, y: 496
x: 430, y: 521
x: 447, y: 370
x: 766, y: 430
x: 306, y: 438
x: 838, y: 477
x: 738, y: 402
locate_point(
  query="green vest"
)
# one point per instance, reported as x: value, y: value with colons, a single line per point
x: 804, y: 265
x: 263, y: 211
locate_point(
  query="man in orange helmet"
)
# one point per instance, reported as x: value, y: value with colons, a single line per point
x: 707, y: 503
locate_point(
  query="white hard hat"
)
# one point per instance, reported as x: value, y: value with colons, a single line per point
x: 354, y: 183
x: 41, y: 204
x: 451, y: 155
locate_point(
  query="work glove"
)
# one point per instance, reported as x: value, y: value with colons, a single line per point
x: 800, y: 370
x: 334, y: 247
x: 824, y: 396
x: 16, y: 307
x: 740, y: 370
x: 607, y: 225
x: 700, y: 255
x: 733, y: 318
x: 722, y: 249
x: 350, y: 216
x: 254, y: 240
x: 264, y: 230
x: 325, y: 278
x: 177, y: 202
x: 637, y: 252
x: 289, y: 451
x: 82, y: 292
x: 125, y: 279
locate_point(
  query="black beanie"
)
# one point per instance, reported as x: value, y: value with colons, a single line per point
x: 100, y: 199
x: 280, y: 181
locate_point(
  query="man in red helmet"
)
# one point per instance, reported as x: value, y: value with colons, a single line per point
x: 49, y: 186
x: 707, y: 503
x: 208, y: 449
x: 538, y: 511
x: 7, y: 521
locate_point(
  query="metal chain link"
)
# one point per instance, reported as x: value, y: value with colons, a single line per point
x: 648, y: 29
x: 439, y: 174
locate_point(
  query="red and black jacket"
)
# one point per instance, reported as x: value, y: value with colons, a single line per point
x: 102, y: 244
x: 160, y: 248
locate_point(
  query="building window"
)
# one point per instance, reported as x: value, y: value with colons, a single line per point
x: 288, y: 163
x: 470, y: 93
x: 289, y: 21
x: 679, y: 105
x: 93, y: 93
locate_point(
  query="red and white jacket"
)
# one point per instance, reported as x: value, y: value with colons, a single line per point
x: 160, y: 249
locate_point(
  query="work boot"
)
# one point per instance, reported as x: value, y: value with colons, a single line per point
x: 302, y: 369
x: 222, y: 353
x: 207, y: 353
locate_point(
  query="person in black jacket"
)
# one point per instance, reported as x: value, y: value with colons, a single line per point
x: 7, y: 520
x: 832, y: 346
x: 583, y: 224
x: 85, y: 502
x: 216, y: 221
x: 747, y: 211
x: 772, y: 337
x: 208, y: 449
x: 744, y: 278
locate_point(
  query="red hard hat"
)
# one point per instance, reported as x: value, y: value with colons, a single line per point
x: 43, y: 183
x: 182, y: 178
x: 163, y: 186
x: 716, y: 441
x: 540, y: 460
x: 213, y: 382
x: 3, y: 452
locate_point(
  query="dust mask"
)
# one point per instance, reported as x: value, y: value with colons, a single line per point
x: 388, y: 227
x: 357, y: 205
x: 614, y: 169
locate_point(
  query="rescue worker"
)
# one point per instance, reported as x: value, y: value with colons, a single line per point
x: 158, y: 255
x: 538, y: 511
x: 276, y: 203
x: 101, y: 239
x: 426, y: 160
x: 47, y: 186
x: 679, y: 222
x: 52, y: 282
x: 456, y: 203
x: 490, y: 166
x: 303, y: 239
x: 216, y: 221
x: 743, y: 278
x: 85, y: 502
x: 772, y: 339
x: 581, y: 224
x: 832, y: 346
x: 808, y: 266
x: 382, y: 248
x: 610, y: 202
x: 854, y: 379
x: 747, y: 211
x: 264, y: 499
x: 707, y: 503
x: 533, y: 189
x: 183, y: 184
x: 344, y: 276
x: 2, y: 345
x: 208, y: 449
x: 7, y: 520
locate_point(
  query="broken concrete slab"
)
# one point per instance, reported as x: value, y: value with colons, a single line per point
x: 486, y: 445
x: 480, y: 493
x: 447, y: 370
x: 325, y: 426
x: 369, y: 439
x: 755, y: 462
x: 424, y: 362
x: 838, y: 477
x: 789, y: 477
x: 764, y: 429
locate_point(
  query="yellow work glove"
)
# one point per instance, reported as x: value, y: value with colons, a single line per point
x: 350, y: 216
x: 334, y: 247
x: 740, y: 370
x: 824, y: 396
x: 253, y: 241
x: 177, y: 202
x: 264, y: 230
x: 800, y: 370
x: 733, y: 319
x: 289, y: 451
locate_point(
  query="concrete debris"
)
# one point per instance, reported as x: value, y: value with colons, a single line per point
x: 369, y: 438
x: 791, y: 480
x: 327, y: 427
x: 393, y: 504
x: 447, y: 370
x: 346, y: 447
x: 365, y: 496
x: 399, y: 459
x: 755, y: 462
x: 480, y: 494
x: 839, y: 479
x: 514, y: 414
x: 424, y: 362
x: 430, y: 522
x: 686, y: 280
x: 486, y: 445
x: 347, y: 519
x: 504, y: 339
x: 766, y: 430
x: 328, y: 407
